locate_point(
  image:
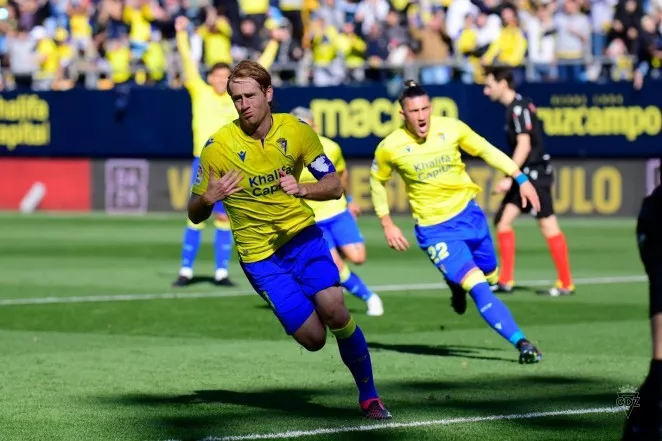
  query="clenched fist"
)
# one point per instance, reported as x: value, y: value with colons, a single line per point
x: 290, y: 185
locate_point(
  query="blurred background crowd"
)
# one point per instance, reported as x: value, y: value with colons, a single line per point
x: 61, y: 44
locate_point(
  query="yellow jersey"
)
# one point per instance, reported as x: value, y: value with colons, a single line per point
x: 437, y: 184
x: 262, y: 217
x: 327, y: 209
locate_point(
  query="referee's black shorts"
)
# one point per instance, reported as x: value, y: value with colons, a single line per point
x: 543, y: 185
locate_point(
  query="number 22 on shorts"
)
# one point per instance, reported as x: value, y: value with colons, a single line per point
x: 438, y: 252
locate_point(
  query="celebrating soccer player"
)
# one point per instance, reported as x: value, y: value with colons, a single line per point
x: 450, y: 226
x: 252, y: 166
x: 525, y: 137
x: 645, y: 421
x: 211, y: 108
x: 337, y: 220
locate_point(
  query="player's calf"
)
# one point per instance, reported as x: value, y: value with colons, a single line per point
x: 497, y: 315
x: 353, y: 349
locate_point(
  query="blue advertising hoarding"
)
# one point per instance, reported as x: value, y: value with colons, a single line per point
x: 579, y: 120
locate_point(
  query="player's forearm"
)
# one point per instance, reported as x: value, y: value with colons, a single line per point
x: 191, y: 72
x: 522, y: 151
x: 379, y: 199
x: 499, y: 160
x: 269, y: 54
x: 327, y: 188
x: 198, y: 209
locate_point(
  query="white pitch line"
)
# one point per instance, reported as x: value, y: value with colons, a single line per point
x: 412, y: 424
x: 210, y: 295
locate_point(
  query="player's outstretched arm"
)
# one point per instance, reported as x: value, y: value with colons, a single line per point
x: 192, y: 77
x: 474, y: 144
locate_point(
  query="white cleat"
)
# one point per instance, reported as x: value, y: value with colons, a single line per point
x: 220, y: 274
x: 375, y: 306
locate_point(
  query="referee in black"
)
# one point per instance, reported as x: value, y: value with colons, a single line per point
x: 645, y: 420
x: 525, y: 138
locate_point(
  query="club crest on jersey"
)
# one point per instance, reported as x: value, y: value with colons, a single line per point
x: 408, y: 148
x: 442, y: 136
x: 282, y: 142
x: 242, y: 155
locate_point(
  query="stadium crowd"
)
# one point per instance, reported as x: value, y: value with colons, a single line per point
x: 59, y: 44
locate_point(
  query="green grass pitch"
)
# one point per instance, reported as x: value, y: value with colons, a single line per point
x: 150, y: 362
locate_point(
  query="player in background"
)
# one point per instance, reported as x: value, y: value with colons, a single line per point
x: 645, y: 421
x: 450, y: 226
x: 252, y: 165
x: 337, y: 219
x: 211, y: 108
x: 525, y: 138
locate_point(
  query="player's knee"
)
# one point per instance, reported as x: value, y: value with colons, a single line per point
x: 315, y: 342
x: 335, y: 314
x: 312, y: 334
x: 503, y: 225
x: 222, y: 217
x: 358, y: 259
x: 355, y: 253
x: 549, y: 226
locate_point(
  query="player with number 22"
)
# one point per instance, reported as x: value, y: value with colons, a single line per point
x: 450, y: 226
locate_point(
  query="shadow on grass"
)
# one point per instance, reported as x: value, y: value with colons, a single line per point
x: 441, y: 351
x: 223, y: 412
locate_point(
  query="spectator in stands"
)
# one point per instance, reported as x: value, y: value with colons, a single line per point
x: 510, y: 46
x: 254, y: 11
x: 541, y: 34
x: 627, y: 24
x: 21, y: 57
x: 602, y: 14
x: 47, y: 60
x: 328, y: 68
x: 84, y: 39
x: 572, y: 41
x: 650, y: 51
x: 376, y: 54
x: 353, y: 49
x: 399, y: 42
x: 331, y: 13
x: 369, y: 13
x: 216, y: 35
x: 292, y: 10
x: 435, y: 49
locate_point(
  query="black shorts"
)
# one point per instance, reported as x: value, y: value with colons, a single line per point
x: 543, y: 186
x: 649, y: 240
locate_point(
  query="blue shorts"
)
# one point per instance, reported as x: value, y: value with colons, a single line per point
x: 289, y: 279
x: 460, y: 244
x: 341, y: 230
x: 218, y: 207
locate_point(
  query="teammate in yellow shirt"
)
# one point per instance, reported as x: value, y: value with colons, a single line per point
x: 450, y: 226
x: 337, y: 219
x: 252, y: 165
x: 211, y: 108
